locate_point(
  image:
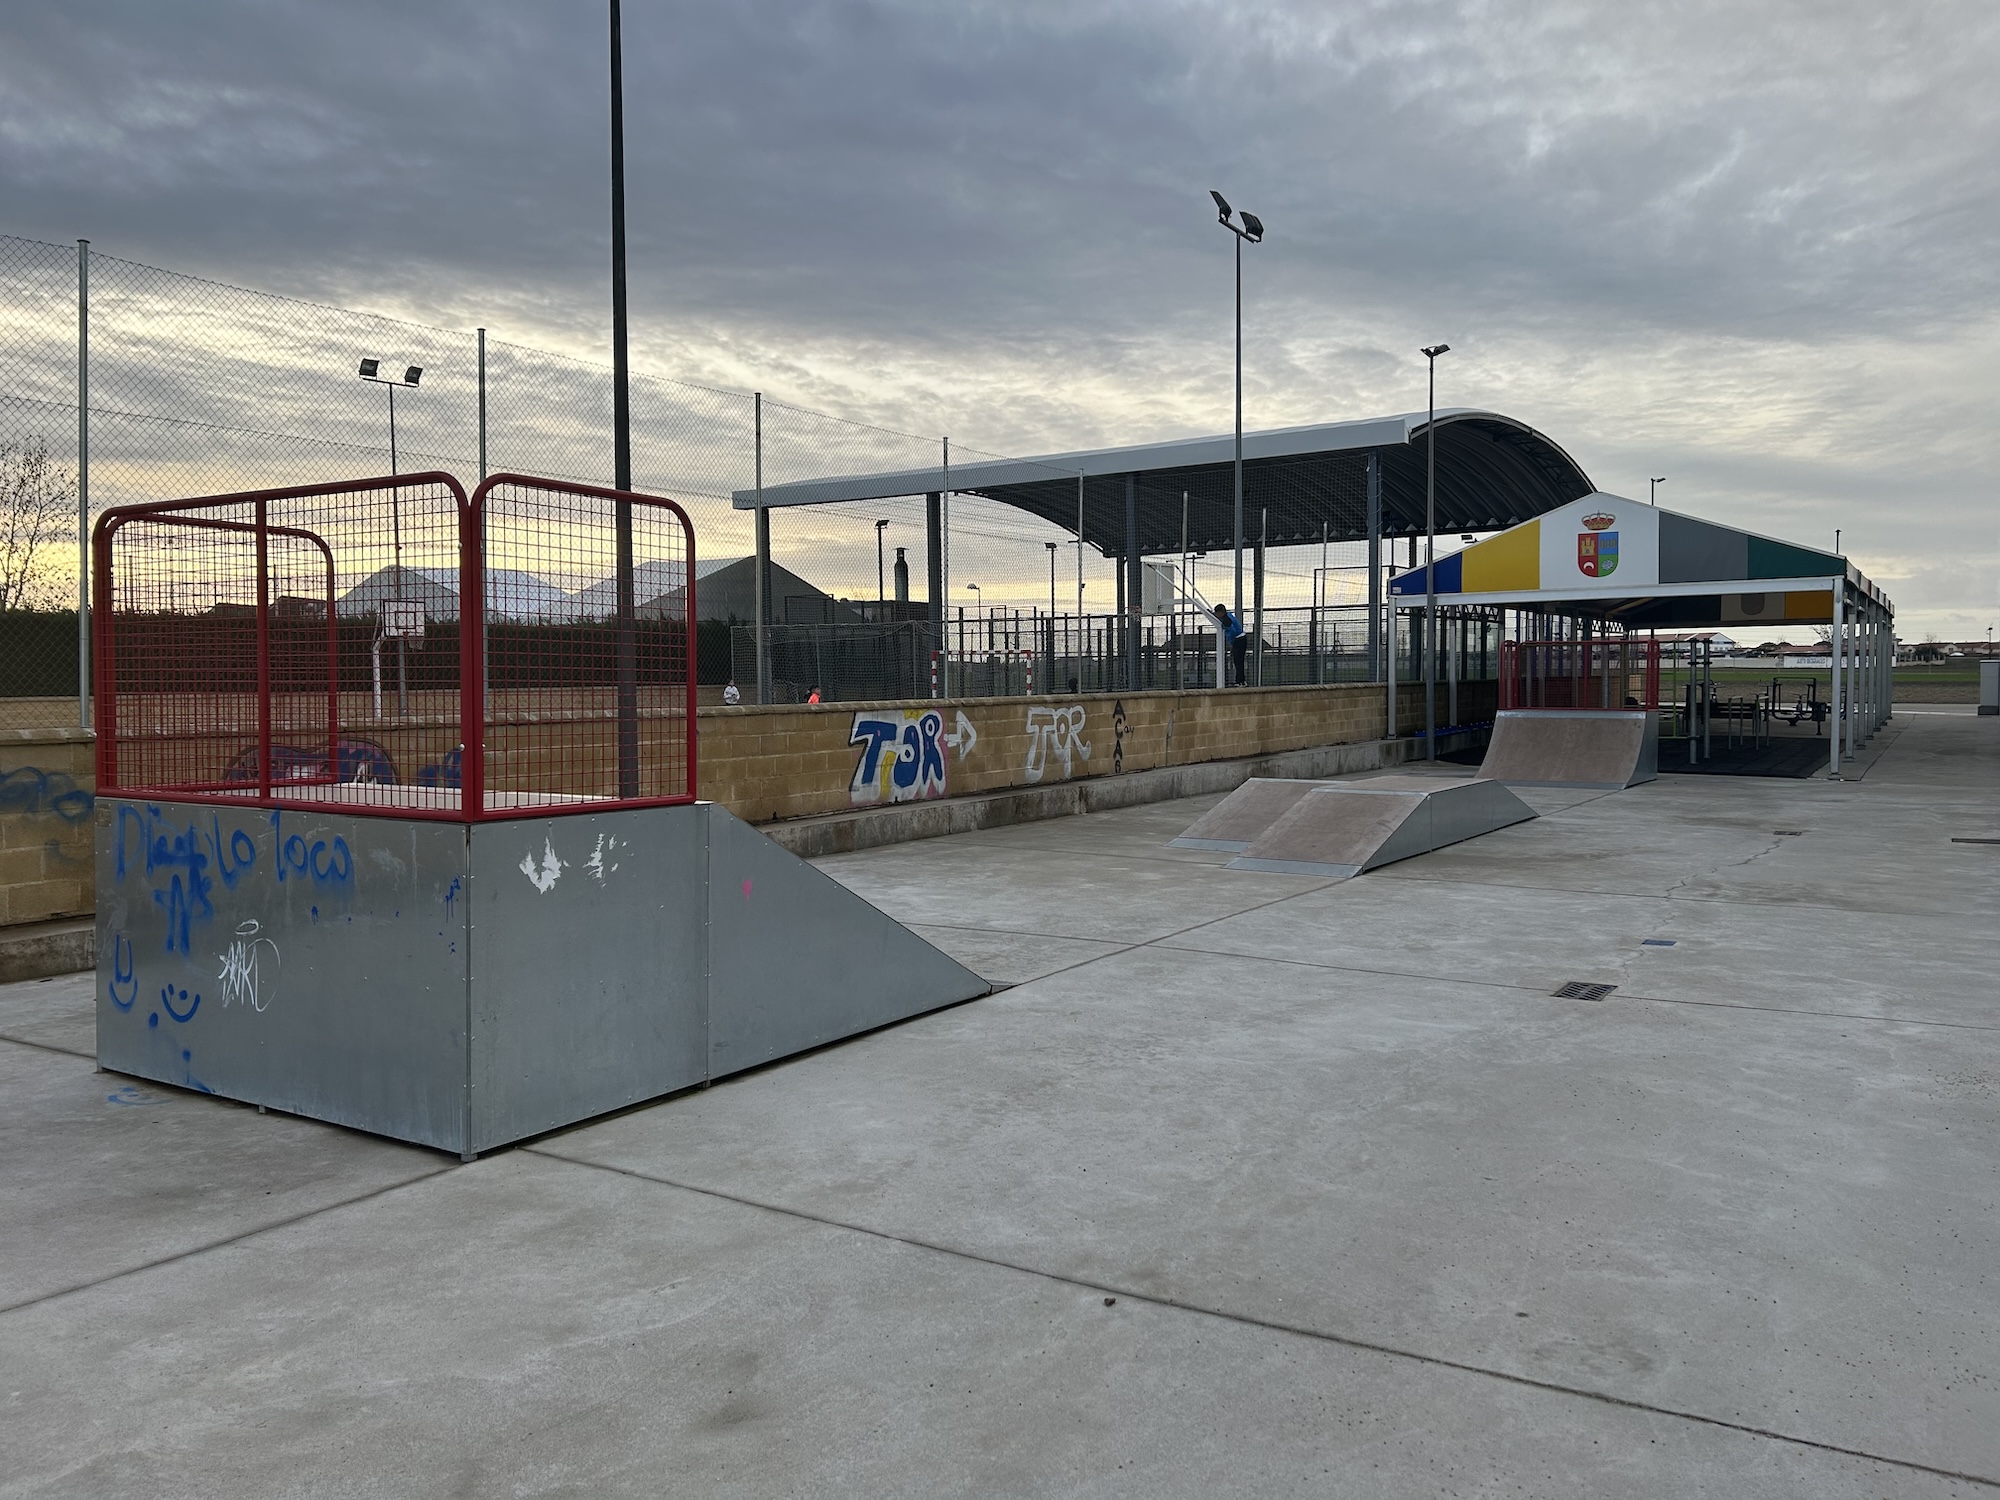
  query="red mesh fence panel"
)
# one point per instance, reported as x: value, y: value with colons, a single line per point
x: 588, y: 645
x: 1608, y: 672
x: 285, y: 646
x: 390, y: 645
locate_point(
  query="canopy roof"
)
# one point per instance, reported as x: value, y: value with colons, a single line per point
x: 1618, y: 559
x: 1492, y: 471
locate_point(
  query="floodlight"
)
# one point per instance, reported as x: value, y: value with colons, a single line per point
x: 412, y: 375
x: 1253, y: 227
x: 1223, y: 210
x: 369, y: 367
x: 1435, y: 350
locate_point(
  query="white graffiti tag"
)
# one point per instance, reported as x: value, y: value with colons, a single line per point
x: 545, y: 878
x: 249, y: 972
x: 597, y: 863
x: 1055, y: 735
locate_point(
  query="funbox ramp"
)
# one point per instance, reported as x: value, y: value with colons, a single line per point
x: 464, y: 986
x: 1606, y: 748
x: 1342, y: 828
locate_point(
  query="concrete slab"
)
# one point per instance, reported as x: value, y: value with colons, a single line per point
x: 610, y: 1336
x: 1723, y: 1213
x: 59, y: 1012
x: 1011, y: 888
x: 1326, y: 1148
x: 101, y: 1174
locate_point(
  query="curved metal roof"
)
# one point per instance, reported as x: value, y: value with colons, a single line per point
x: 1492, y: 472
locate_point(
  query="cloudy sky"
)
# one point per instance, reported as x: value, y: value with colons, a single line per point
x: 1749, y: 247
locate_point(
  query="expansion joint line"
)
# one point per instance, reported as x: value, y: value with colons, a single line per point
x: 1272, y: 1325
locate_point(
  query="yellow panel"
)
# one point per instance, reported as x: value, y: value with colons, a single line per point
x: 1815, y: 606
x: 1505, y: 563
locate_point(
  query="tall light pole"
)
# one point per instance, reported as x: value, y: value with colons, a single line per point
x: 881, y: 589
x: 1430, y: 557
x: 1653, y: 489
x: 371, y: 371
x: 1253, y: 231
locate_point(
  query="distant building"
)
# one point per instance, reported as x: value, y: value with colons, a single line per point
x: 726, y: 589
x: 512, y: 595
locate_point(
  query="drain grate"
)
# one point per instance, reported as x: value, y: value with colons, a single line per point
x: 1657, y: 942
x: 1576, y: 989
x: 1789, y: 833
x: 1976, y: 841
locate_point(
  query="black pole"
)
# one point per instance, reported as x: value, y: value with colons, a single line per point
x: 621, y: 441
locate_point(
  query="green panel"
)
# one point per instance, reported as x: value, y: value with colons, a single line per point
x: 1769, y: 559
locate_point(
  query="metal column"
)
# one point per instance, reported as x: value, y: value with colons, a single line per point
x: 762, y: 581
x: 934, y: 579
x: 83, y: 482
x: 1134, y: 566
x: 1834, y: 719
x: 1374, y: 566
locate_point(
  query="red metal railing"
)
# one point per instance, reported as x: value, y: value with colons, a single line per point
x: 539, y: 635
x: 1606, y: 672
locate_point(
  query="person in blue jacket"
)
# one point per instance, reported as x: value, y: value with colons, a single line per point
x: 1239, y: 644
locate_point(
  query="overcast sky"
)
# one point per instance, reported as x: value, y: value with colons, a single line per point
x: 1751, y: 247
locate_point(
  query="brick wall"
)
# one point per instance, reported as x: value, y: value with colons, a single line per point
x: 793, y: 761
x: 46, y: 800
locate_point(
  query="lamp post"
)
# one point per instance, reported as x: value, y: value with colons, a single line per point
x: 1653, y: 489
x: 881, y: 588
x: 1052, y: 579
x: 1430, y: 557
x: 371, y: 371
x: 1253, y: 231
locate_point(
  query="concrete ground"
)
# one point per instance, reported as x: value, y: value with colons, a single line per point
x: 1251, y: 1184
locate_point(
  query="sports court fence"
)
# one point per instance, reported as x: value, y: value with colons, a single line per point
x: 127, y: 383
x: 398, y: 647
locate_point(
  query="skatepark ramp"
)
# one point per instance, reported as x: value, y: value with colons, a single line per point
x: 1340, y: 829
x: 1573, y: 747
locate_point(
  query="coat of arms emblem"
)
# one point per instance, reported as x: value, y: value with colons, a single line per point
x: 1597, y: 547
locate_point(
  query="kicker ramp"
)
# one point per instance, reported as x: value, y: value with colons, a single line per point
x: 1234, y: 823
x: 464, y: 987
x: 1339, y: 829
x: 1606, y: 749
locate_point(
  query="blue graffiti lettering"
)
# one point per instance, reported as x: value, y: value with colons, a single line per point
x: 240, y: 856
x: 878, y: 733
x: 167, y: 1003
x: 325, y: 862
x: 122, y: 975
x: 932, y: 728
x: 30, y: 790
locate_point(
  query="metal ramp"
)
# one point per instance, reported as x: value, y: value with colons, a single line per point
x: 1335, y: 829
x: 1605, y: 749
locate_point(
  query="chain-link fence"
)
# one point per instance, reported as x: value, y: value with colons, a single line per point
x: 196, y: 387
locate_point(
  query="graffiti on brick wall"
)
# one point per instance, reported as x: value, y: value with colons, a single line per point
x: 902, y: 755
x: 32, y: 791
x: 1055, y: 738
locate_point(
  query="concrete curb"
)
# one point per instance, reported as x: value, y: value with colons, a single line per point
x: 871, y: 828
x: 38, y: 949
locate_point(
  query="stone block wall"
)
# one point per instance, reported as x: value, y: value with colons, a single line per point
x: 792, y: 761
x: 47, y: 796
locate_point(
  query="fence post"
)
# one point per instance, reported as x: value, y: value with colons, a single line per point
x: 761, y: 606
x: 1374, y: 566
x: 83, y: 482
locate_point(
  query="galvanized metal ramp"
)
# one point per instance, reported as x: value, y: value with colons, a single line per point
x: 1343, y: 828
x: 1605, y: 749
x: 467, y: 986
x: 1234, y: 823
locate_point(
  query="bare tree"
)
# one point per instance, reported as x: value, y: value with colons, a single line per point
x: 37, y: 510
